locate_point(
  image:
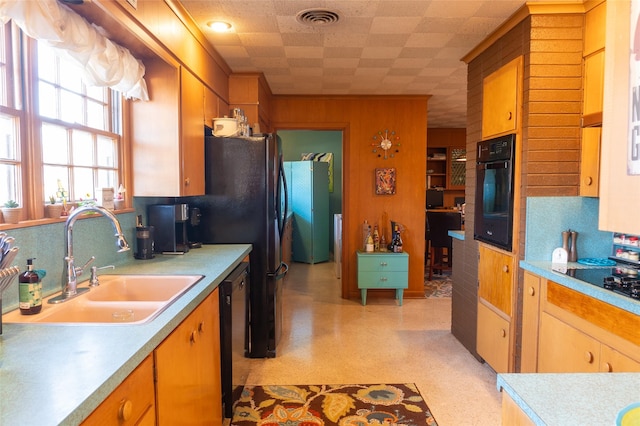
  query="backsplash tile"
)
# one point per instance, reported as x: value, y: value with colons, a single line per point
x: 547, y: 217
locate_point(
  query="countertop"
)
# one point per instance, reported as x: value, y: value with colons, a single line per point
x: 543, y: 269
x: 572, y: 398
x: 58, y: 374
x: 457, y: 234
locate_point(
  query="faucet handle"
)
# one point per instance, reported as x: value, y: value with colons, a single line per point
x: 80, y: 269
x: 93, y: 281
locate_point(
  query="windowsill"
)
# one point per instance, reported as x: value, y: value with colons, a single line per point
x: 47, y: 221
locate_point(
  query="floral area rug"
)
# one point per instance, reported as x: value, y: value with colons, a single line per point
x: 439, y: 286
x: 343, y: 405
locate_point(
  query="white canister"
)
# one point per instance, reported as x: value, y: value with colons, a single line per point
x: 225, y: 127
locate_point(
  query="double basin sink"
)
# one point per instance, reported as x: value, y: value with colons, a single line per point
x: 119, y: 299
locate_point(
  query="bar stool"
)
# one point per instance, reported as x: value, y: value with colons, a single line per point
x: 439, y: 225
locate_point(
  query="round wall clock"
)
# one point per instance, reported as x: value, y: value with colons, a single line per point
x: 385, y: 140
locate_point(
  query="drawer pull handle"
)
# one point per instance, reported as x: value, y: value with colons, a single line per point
x: 588, y: 356
x: 608, y: 368
x: 201, y: 327
x: 505, y: 269
x: 383, y: 263
x: 384, y: 279
x: 503, y: 333
x: 532, y: 291
x: 194, y: 336
x: 125, y: 410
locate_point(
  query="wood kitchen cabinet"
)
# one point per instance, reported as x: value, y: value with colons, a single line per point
x: 592, y: 101
x: 501, y: 100
x: 168, y: 133
x: 131, y: 403
x: 495, y: 337
x: 250, y: 92
x: 188, y: 382
x: 566, y: 331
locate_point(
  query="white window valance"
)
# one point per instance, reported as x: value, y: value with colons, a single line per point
x: 105, y: 63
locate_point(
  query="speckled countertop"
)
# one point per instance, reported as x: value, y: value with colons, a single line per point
x: 58, y: 374
x: 572, y: 399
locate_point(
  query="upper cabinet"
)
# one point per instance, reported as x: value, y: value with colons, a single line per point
x: 500, y: 99
x: 593, y: 89
x: 168, y: 133
x: 251, y: 93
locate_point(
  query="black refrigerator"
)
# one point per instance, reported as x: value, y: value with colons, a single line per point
x: 245, y: 202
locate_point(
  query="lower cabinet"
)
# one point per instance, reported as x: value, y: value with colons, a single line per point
x: 564, y: 349
x: 512, y: 414
x: 188, y: 383
x: 188, y: 388
x: 493, y: 338
x: 132, y: 403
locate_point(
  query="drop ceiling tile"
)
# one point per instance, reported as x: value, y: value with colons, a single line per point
x: 394, y: 25
x: 343, y: 52
x: 305, y: 62
x: 387, y: 40
x: 381, y: 52
x: 303, y: 39
x: 435, y: 40
x: 304, y: 52
x: 262, y: 51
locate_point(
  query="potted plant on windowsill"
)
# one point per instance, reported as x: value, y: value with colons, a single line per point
x: 53, y: 209
x: 12, y: 212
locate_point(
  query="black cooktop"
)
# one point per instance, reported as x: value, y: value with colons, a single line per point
x: 621, y: 279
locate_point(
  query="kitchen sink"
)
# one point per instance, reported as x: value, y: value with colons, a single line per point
x: 118, y: 300
x: 147, y: 288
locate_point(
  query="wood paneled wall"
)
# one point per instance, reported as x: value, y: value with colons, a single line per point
x: 360, y: 118
x: 551, y: 44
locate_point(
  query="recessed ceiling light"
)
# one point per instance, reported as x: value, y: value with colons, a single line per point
x: 219, y: 26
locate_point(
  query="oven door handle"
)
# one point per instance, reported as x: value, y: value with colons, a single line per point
x: 496, y: 165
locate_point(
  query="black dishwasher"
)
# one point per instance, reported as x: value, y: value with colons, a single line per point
x: 233, y: 335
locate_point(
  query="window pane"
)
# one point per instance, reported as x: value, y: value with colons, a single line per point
x: 54, y: 145
x: 83, y: 185
x: 8, y: 138
x: 9, y: 177
x: 70, y: 75
x: 97, y: 93
x: 106, y: 152
x: 71, y: 107
x: 96, y: 115
x: 53, y: 175
x: 106, y: 179
x: 47, y: 106
x: 82, y: 148
x: 46, y: 63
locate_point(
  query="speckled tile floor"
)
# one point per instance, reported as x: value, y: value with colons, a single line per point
x: 327, y: 340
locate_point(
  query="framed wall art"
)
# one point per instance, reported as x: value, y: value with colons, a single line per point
x: 386, y: 181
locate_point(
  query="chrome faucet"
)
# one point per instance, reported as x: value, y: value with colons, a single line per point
x: 71, y: 272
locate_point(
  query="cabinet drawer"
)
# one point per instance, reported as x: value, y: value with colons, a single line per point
x: 385, y: 279
x: 383, y: 262
x: 131, y: 401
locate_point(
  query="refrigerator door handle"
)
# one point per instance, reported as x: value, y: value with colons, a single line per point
x: 280, y: 272
x: 282, y: 215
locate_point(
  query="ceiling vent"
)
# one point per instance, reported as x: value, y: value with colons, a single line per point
x: 317, y: 17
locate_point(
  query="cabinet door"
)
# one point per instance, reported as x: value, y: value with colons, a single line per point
x: 590, y: 162
x: 188, y: 388
x: 493, y: 338
x: 593, y: 87
x: 495, y: 278
x: 530, y: 319
x: 500, y: 99
x: 612, y: 361
x: 192, y: 134
x: 131, y: 403
x: 512, y: 414
x: 564, y: 349
x: 456, y: 168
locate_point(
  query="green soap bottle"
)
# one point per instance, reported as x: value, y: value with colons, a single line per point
x: 30, y: 291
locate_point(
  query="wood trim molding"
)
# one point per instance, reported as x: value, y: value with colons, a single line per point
x: 528, y: 9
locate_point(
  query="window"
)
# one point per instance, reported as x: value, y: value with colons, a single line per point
x: 10, y: 119
x: 79, y: 145
x: 69, y: 132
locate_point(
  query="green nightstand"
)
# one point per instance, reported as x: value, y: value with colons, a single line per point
x: 382, y: 270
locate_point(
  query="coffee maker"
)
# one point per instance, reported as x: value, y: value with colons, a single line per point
x: 170, y: 225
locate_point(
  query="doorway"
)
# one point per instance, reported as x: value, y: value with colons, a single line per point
x: 296, y: 143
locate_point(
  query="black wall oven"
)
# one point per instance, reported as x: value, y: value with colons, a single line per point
x: 494, y: 191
